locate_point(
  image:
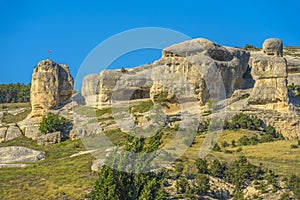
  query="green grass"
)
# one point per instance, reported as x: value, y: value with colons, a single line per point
x: 9, y: 118
x: 55, y: 177
x: 13, y: 106
x: 142, y: 107
x: 277, y: 155
x: 85, y: 110
x: 70, y: 177
x: 60, y: 176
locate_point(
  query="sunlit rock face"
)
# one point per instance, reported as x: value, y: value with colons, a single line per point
x: 52, y: 85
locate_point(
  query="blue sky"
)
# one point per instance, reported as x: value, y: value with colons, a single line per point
x: 73, y: 28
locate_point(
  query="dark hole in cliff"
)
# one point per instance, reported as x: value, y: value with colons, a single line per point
x: 125, y: 95
x: 220, y: 55
x: 248, y: 79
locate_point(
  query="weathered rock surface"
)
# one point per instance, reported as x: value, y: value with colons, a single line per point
x: 90, y: 84
x: 188, y: 70
x: 9, y: 132
x: 16, y: 154
x: 50, y: 138
x: 273, y: 46
x: 97, y: 165
x: 197, y: 70
x: 270, y: 75
x: 52, y: 84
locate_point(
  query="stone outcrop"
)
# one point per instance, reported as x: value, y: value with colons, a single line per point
x: 269, y: 99
x: 16, y: 154
x: 188, y: 70
x: 9, y: 132
x: 52, y: 85
x: 273, y: 46
x: 270, y: 75
x: 50, y: 138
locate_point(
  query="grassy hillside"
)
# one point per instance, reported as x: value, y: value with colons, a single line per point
x: 58, y: 176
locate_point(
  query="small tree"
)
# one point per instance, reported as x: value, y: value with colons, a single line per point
x: 201, y: 165
x: 217, y: 169
x: 202, y: 184
x: 224, y: 144
x: 123, y: 70
x: 181, y: 185
x: 51, y: 123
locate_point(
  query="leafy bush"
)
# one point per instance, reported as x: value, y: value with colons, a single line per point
x: 51, y: 123
x: 285, y: 196
x: 120, y: 185
x: 201, y: 165
x: 243, y: 121
x: 202, y: 184
x: 294, y: 146
x: 294, y: 185
x: 217, y: 169
x: 224, y: 144
x: 250, y: 47
x: 217, y: 148
x: 181, y: 185
x: 123, y: 70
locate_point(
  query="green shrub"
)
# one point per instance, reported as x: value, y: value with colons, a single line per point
x: 217, y: 169
x: 243, y: 121
x: 181, y: 185
x: 285, y: 196
x: 217, y: 148
x: 202, y: 184
x: 294, y: 146
x: 224, y: 144
x: 123, y: 70
x: 51, y: 123
x: 293, y: 184
x: 201, y: 165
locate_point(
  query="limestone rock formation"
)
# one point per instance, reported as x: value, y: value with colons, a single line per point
x: 270, y: 75
x: 198, y: 69
x: 16, y: 154
x: 52, y: 85
x: 273, y: 46
x: 90, y: 85
x: 9, y: 132
x: 50, y: 138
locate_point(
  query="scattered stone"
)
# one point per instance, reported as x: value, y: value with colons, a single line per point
x: 9, y: 132
x: 13, y: 165
x: 13, y: 132
x: 33, y: 132
x: 50, y: 138
x: 16, y: 154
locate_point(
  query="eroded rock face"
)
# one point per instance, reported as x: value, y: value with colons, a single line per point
x: 196, y: 69
x: 273, y: 46
x: 9, y: 132
x: 52, y: 84
x: 270, y: 75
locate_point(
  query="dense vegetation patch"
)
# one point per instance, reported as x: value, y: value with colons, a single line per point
x: 51, y: 123
x: 14, y: 93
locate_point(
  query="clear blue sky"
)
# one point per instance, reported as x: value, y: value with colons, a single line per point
x: 73, y: 28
